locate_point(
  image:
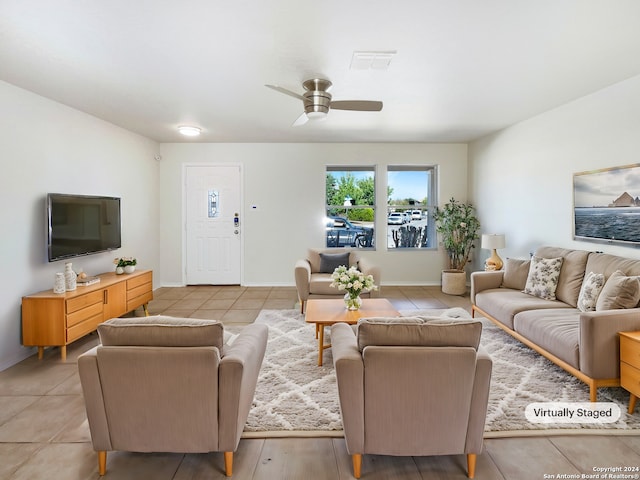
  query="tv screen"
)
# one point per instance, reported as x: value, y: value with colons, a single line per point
x: 81, y: 225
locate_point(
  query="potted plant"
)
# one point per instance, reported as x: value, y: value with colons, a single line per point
x: 125, y: 264
x: 458, y: 226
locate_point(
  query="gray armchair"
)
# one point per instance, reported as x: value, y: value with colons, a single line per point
x: 313, y: 274
x: 162, y: 384
x: 410, y: 387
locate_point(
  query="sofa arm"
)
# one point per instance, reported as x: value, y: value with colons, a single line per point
x: 94, y: 400
x: 238, y: 376
x: 484, y: 281
x: 303, y: 278
x: 599, y: 341
x: 479, y: 402
x: 347, y: 361
x: 368, y: 268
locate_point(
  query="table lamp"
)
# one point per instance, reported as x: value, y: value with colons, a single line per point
x: 493, y: 241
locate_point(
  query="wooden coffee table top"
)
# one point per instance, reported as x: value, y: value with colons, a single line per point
x: 330, y: 311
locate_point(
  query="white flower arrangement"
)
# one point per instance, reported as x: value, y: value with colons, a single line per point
x: 352, y: 280
x: 124, y: 261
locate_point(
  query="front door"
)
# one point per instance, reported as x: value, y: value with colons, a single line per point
x: 213, y: 203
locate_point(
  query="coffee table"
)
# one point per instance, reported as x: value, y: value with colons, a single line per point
x: 324, y: 312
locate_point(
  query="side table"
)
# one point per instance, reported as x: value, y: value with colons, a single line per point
x: 630, y: 365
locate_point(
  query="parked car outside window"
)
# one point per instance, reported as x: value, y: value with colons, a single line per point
x: 395, y: 218
x: 416, y: 215
x: 342, y: 233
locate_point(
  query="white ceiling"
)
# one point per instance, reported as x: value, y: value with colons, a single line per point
x: 463, y: 68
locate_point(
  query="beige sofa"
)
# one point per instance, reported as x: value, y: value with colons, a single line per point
x: 163, y: 384
x: 584, y: 343
x: 313, y: 274
x: 440, y: 368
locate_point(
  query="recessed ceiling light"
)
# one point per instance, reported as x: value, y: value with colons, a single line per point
x: 189, y: 131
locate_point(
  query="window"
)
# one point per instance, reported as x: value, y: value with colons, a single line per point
x: 410, y: 204
x: 350, y: 206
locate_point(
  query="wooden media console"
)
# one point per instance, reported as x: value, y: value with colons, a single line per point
x: 57, y: 319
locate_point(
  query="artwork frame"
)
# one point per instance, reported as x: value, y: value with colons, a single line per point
x: 606, y: 205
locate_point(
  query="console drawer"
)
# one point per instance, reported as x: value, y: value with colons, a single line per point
x: 82, y: 301
x: 630, y: 351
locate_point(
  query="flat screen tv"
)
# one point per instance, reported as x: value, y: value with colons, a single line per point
x: 81, y: 225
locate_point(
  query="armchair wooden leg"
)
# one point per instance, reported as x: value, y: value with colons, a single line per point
x: 102, y: 462
x: 471, y: 464
x: 357, y: 464
x: 228, y: 463
x: 301, y: 306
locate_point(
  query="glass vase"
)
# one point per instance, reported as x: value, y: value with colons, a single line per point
x: 352, y: 301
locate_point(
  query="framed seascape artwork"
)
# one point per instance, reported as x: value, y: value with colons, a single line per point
x: 607, y: 205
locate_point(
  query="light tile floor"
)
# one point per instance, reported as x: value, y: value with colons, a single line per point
x: 44, y: 433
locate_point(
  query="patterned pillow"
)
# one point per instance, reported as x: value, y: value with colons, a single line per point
x: 591, y: 287
x: 542, y: 280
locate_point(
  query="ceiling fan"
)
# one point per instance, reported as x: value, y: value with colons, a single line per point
x: 317, y: 101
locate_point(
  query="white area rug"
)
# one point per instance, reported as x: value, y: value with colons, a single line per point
x: 296, y: 397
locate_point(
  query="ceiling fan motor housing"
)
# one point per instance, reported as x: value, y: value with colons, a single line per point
x: 317, y: 101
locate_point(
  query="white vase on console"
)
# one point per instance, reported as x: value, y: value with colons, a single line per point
x: 70, y: 277
x: 129, y: 269
x: 58, y: 286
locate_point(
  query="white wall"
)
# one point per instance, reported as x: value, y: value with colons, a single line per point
x: 521, y: 179
x: 287, y: 184
x: 47, y: 147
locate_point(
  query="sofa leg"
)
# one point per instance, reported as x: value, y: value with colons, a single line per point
x: 102, y: 462
x: 301, y: 306
x: 471, y: 465
x: 593, y: 392
x: 357, y: 464
x: 228, y: 463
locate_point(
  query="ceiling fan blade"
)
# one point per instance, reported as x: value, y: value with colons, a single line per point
x: 301, y: 120
x: 285, y: 91
x: 361, y: 105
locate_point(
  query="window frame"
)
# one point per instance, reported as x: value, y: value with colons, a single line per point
x: 430, y: 206
x: 363, y: 239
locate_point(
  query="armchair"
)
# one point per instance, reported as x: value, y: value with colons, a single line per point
x: 163, y: 384
x: 313, y: 274
x: 412, y: 387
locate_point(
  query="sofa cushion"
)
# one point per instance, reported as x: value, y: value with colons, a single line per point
x: 607, y: 264
x: 504, y: 303
x: 320, y: 284
x: 620, y: 291
x: 571, y: 274
x: 515, y: 273
x: 330, y: 261
x: 161, y: 331
x: 417, y: 332
x: 313, y: 256
x: 591, y: 287
x: 542, y: 280
x: 555, y: 330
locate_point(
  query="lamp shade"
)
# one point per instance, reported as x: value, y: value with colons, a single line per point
x: 492, y: 241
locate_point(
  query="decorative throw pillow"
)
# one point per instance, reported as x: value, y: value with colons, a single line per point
x: 330, y: 261
x: 619, y: 292
x: 515, y: 273
x: 542, y: 280
x: 591, y: 287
